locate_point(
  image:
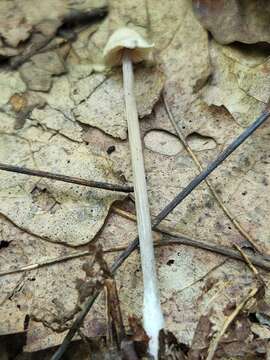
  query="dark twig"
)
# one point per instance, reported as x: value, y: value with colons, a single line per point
x: 68, y: 179
x: 212, y: 166
x: 162, y: 215
x: 176, y: 239
x: 181, y: 239
x: 226, y: 211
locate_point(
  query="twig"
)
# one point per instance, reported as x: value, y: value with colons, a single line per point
x: 68, y: 179
x: 260, y: 282
x: 212, y: 166
x: 214, y: 344
x: 57, y: 260
x: 182, y: 239
x: 260, y: 286
x: 227, y: 212
x: 177, y: 239
x: 114, y: 311
x: 162, y: 215
x: 247, y: 260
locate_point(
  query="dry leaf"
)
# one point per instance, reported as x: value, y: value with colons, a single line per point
x: 38, y: 72
x: 104, y: 106
x: 231, y: 81
x: 234, y: 20
x: 42, y: 207
x: 213, y: 92
x: 20, y: 21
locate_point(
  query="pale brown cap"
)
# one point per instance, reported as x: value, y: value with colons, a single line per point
x: 126, y: 38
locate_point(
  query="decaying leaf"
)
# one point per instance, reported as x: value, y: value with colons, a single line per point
x: 235, y: 20
x: 10, y: 83
x: 170, y: 347
x: 231, y: 83
x: 58, y: 316
x: 38, y: 72
x: 53, y: 210
x: 19, y: 21
x: 57, y: 122
x: 237, y: 343
x: 77, y: 127
x: 104, y: 106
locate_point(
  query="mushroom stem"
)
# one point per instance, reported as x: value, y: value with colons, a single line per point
x: 152, y: 314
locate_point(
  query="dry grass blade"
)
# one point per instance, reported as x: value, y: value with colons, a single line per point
x: 214, y: 344
x: 247, y: 260
x: 57, y: 260
x: 260, y: 286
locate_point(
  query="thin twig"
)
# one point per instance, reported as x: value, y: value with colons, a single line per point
x: 162, y: 215
x: 177, y: 239
x: 260, y: 284
x: 182, y: 239
x: 59, y: 259
x: 214, y: 344
x: 227, y: 212
x: 114, y: 311
x: 67, y: 179
x: 248, y: 261
x: 125, y: 214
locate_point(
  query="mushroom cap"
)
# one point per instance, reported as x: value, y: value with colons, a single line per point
x: 126, y: 38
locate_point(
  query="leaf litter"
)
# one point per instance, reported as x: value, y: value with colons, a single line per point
x: 213, y: 92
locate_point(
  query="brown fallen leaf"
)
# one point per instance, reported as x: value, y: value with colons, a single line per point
x: 213, y: 91
x: 41, y: 206
x: 25, y: 28
x: 234, y: 20
x: 38, y: 72
x: 139, y: 336
x: 104, y: 106
x: 237, y: 342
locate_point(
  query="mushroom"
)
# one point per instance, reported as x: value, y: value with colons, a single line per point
x: 126, y: 46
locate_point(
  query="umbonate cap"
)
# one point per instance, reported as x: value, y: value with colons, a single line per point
x: 126, y: 38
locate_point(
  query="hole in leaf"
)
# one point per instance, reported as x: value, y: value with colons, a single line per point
x: 170, y: 262
x: 110, y: 149
x: 26, y: 322
x: 4, y: 244
x: 253, y: 318
x: 198, y: 142
x: 162, y: 142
